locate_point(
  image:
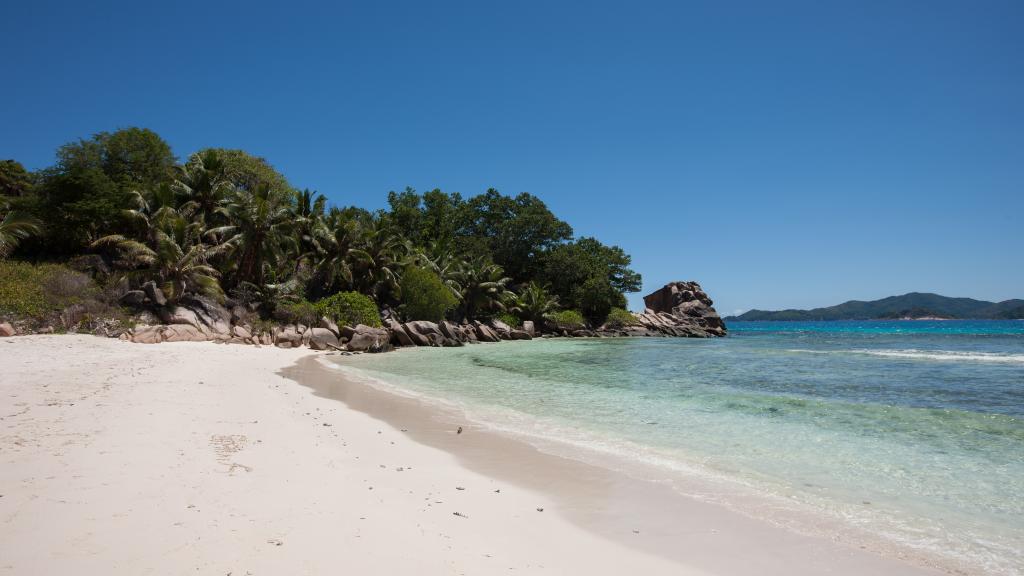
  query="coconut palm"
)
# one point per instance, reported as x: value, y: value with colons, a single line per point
x: 308, y: 217
x: 257, y: 233
x: 377, y: 275
x: 173, y: 256
x: 484, y: 289
x: 339, y: 239
x: 535, y: 303
x: 15, y: 227
x: 202, y: 185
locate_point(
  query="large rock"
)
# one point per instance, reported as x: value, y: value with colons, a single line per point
x: 451, y: 331
x: 133, y: 298
x: 183, y: 333
x: 155, y: 294
x: 681, y: 309
x: 148, y: 335
x: 520, y: 335
x: 6, y: 330
x: 326, y: 322
x: 503, y: 330
x: 288, y: 337
x: 366, y: 338
x: 417, y: 338
x: 399, y: 336
x: 529, y: 328
x: 484, y: 333
x: 182, y: 315
x: 322, y: 339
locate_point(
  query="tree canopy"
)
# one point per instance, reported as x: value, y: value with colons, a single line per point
x: 226, y: 223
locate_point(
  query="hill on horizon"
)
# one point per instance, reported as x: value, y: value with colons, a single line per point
x: 912, y: 305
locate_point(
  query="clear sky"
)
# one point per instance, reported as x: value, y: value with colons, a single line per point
x: 784, y: 154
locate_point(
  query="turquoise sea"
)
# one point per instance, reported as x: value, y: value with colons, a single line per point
x: 909, y: 430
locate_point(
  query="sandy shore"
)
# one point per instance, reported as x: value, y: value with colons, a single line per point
x: 120, y: 458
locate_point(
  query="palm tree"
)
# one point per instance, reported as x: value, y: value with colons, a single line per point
x: 173, y: 256
x: 339, y: 239
x: 441, y: 262
x: 534, y: 303
x: 257, y: 233
x: 484, y: 289
x: 202, y: 184
x: 377, y: 275
x: 308, y: 216
x: 15, y: 227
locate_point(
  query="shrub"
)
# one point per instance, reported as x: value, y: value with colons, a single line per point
x: 510, y: 319
x: 424, y: 296
x: 299, y: 312
x: 596, y: 297
x: 618, y: 318
x: 35, y: 291
x: 349, y: 309
x: 567, y: 320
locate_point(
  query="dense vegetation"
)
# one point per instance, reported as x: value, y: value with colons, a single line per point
x: 224, y: 224
x: 914, y: 304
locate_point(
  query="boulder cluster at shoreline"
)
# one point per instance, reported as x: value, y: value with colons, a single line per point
x: 679, y: 309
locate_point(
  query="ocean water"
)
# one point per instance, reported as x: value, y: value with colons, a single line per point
x: 910, y: 431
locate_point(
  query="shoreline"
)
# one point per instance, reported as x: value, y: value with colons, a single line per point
x: 650, y: 514
x: 191, y: 457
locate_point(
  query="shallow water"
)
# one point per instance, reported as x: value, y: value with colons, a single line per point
x: 910, y: 430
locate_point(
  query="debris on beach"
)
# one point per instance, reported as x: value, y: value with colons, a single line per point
x: 459, y: 431
x: 460, y: 515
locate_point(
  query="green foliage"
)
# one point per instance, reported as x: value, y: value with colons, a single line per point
x: 484, y: 289
x: 14, y: 179
x: 619, y: 318
x: 534, y: 303
x: 35, y: 291
x: 14, y: 227
x: 424, y: 295
x: 568, y: 320
x: 510, y: 319
x: 350, y: 309
x: 596, y: 297
x: 81, y: 198
x: 298, y: 312
x: 247, y: 172
x: 227, y: 220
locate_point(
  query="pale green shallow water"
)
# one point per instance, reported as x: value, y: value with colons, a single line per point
x: 914, y: 431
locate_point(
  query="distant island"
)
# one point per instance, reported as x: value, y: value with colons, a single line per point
x: 912, y: 306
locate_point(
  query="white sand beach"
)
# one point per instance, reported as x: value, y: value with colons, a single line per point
x: 196, y: 458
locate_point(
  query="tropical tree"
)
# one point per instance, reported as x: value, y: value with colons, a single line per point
x: 15, y: 227
x: 203, y: 186
x: 535, y: 303
x: 385, y: 255
x: 484, y: 289
x: 338, y: 239
x: 257, y: 233
x: 173, y: 256
x: 308, y: 216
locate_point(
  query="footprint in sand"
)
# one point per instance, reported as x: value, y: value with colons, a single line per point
x: 226, y: 446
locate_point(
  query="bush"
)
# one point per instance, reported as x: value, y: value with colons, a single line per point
x: 424, y: 296
x: 568, y: 320
x: 36, y: 291
x: 510, y: 319
x: 300, y: 312
x: 596, y: 297
x: 349, y: 309
x: 618, y: 318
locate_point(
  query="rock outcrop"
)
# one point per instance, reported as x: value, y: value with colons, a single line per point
x: 680, y: 309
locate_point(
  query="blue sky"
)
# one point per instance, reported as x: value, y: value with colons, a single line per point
x: 784, y: 154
